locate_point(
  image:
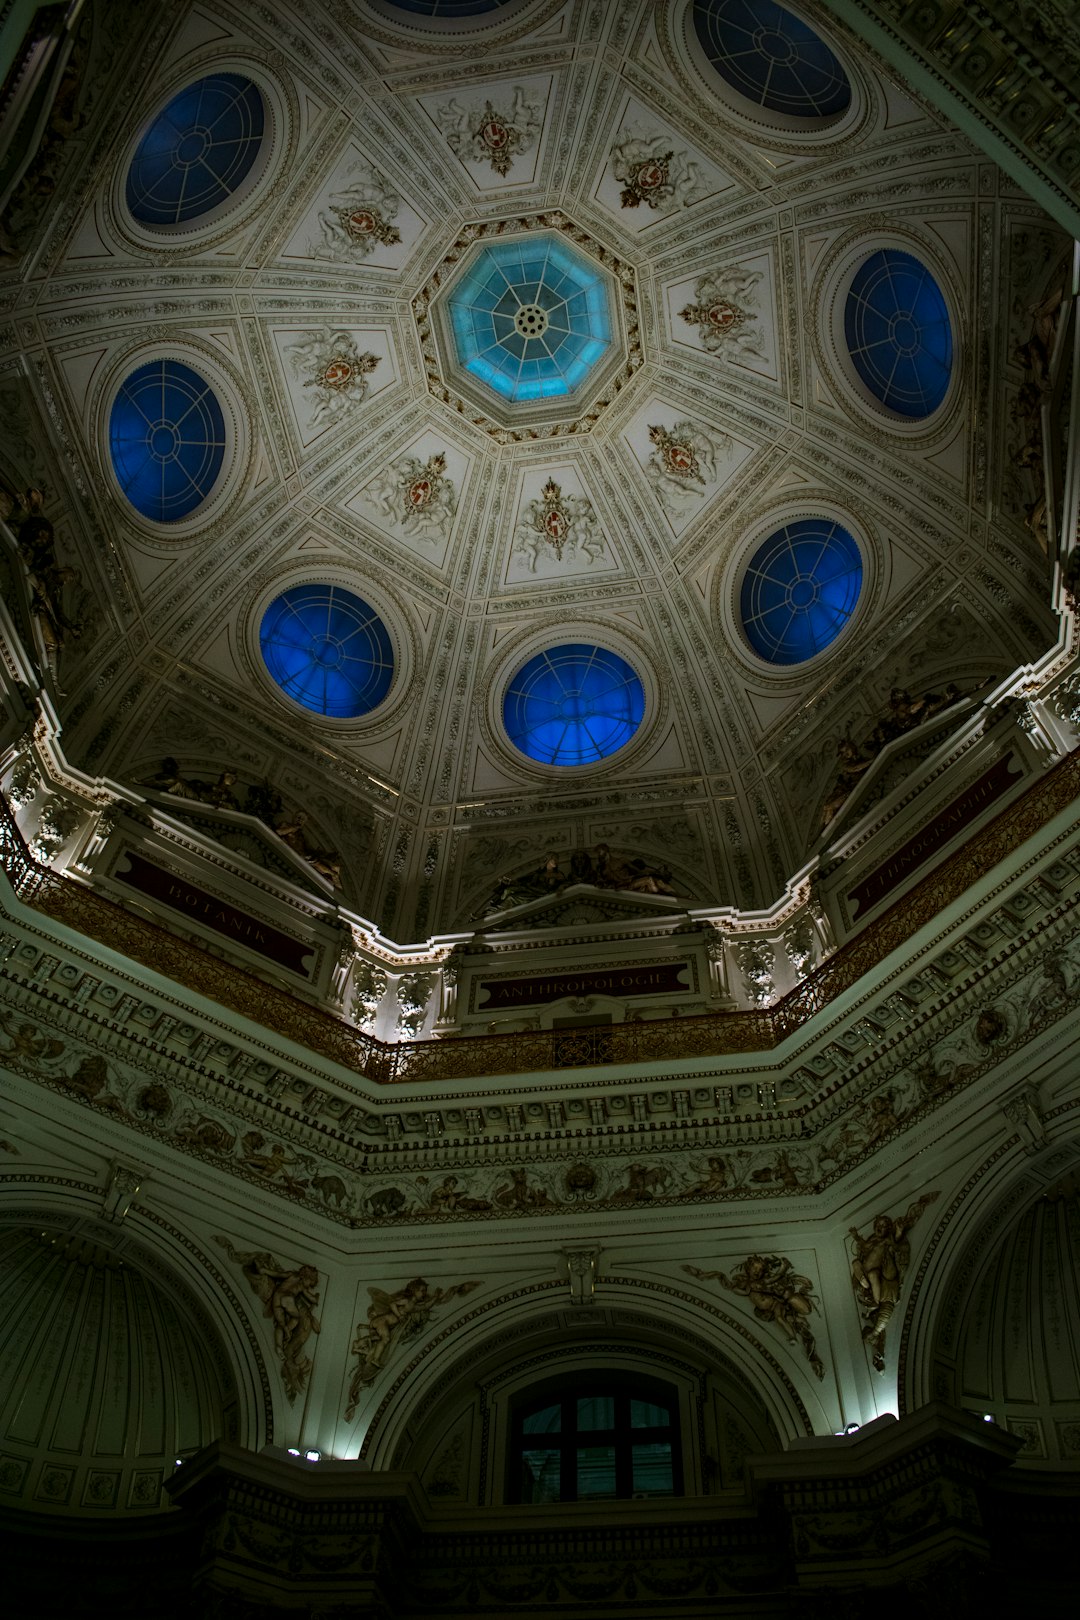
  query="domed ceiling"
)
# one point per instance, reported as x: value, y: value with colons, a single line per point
x: 678, y: 332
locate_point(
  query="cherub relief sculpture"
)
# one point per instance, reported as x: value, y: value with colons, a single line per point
x: 289, y: 1297
x: 778, y: 1294
x: 169, y: 780
x: 879, y: 1262
x: 393, y: 1319
x: 486, y: 133
x: 904, y: 714
x: 652, y: 172
x: 602, y: 868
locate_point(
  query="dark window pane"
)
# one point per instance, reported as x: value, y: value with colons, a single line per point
x: 596, y: 1412
x: 540, y: 1476
x: 547, y: 1421
x: 652, y: 1469
x: 595, y: 1472
x: 643, y: 1415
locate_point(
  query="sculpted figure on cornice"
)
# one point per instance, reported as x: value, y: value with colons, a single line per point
x: 879, y: 1262
x: 24, y: 514
x: 778, y: 1294
x: 484, y: 132
x: 289, y: 1296
x: 725, y: 313
x: 393, y: 1320
x: 650, y: 172
x: 904, y: 714
x: 602, y: 868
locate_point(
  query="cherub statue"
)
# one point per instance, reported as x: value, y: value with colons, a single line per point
x: 879, y: 1262
x: 289, y: 1297
x: 393, y: 1319
x: 777, y: 1293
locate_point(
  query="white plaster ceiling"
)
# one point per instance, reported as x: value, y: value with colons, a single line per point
x: 425, y: 799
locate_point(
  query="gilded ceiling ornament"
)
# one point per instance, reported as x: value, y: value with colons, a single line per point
x: 683, y: 462
x: 357, y: 218
x: 878, y: 1264
x: 724, y: 314
x: 331, y: 364
x: 417, y: 496
x: 392, y: 1320
x: 289, y: 1296
x: 487, y: 134
x: 650, y: 172
x: 778, y: 1294
x: 558, y: 525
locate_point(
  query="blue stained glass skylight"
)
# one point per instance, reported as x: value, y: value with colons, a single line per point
x: 328, y: 650
x: 573, y: 705
x: 198, y: 150
x: 167, y: 440
x: 772, y: 58
x: 898, y: 334
x: 800, y: 589
x: 530, y: 317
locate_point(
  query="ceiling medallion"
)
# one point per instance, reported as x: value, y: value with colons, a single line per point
x: 529, y: 327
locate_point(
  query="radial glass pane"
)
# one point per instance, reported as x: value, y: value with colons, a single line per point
x: 772, y: 57
x: 166, y: 440
x: 327, y: 650
x: 573, y: 705
x: 799, y: 590
x: 898, y: 333
x: 512, y: 312
x: 199, y: 149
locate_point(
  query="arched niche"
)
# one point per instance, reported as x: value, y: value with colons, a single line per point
x: 118, y: 1360
x: 993, y: 1317
x: 449, y: 1415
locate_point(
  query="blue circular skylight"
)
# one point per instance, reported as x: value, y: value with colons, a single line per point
x: 772, y: 58
x: 898, y: 333
x: 530, y: 317
x: 800, y: 589
x: 328, y: 650
x: 197, y: 152
x: 573, y: 705
x: 167, y: 440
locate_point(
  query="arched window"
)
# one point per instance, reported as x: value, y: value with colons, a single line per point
x: 573, y: 705
x: 592, y: 1440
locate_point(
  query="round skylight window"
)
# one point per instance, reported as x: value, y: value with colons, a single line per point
x: 327, y: 650
x: 773, y: 58
x: 898, y: 334
x: 198, y: 151
x: 799, y: 590
x: 574, y: 704
x: 166, y: 439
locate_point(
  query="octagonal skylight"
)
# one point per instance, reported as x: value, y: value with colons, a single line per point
x: 530, y: 318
